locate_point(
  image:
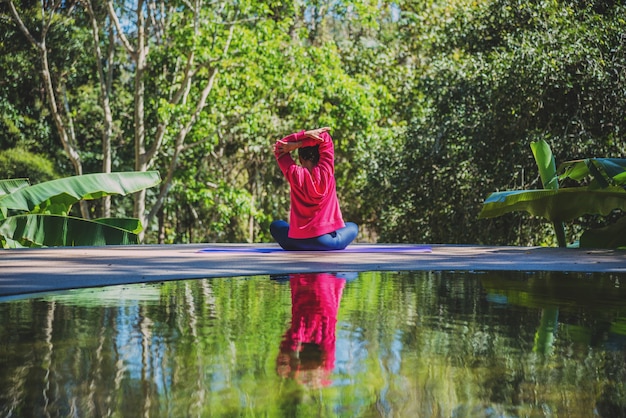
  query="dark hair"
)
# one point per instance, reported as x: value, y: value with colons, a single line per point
x: 310, y: 153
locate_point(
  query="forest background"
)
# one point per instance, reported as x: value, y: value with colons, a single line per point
x: 432, y: 104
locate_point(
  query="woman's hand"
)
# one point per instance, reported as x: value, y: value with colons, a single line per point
x: 282, y: 147
x: 316, y: 133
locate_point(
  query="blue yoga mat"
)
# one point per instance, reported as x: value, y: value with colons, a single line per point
x: 351, y: 249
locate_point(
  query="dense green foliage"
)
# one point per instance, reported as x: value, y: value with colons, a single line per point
x: 433, y: 105
x: 500, y: 75
x: 21, y: 163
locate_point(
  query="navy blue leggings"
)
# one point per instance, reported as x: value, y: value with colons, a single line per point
x: 337, y: 240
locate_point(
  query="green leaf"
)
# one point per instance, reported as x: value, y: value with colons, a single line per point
x: 57, y: 196
x: 36, y: 230
x: 10, y: 185
x: 555, y: 205
x: 575, y: 170
x: 547, y: 171
x: 604, y: 170
x: 127, y: 224
x: 546, y: 164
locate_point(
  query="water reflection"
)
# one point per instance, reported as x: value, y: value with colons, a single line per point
x: 307, y: 352
x: 436, y: 344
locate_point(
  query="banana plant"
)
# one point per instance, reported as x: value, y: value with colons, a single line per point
x: 602, y: 194
x: 39, y: 215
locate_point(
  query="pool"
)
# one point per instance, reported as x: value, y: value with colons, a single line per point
x: 405, y: 343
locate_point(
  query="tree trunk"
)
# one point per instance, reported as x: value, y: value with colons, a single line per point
x: 104, y: 81
x: 138, y: 55
x: 67, y: 140
x: 141, y: 164
x: 144, y: 154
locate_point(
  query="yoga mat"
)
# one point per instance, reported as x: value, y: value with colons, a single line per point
x: 364, y: 248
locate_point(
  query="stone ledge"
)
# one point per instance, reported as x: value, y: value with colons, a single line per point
x: 25, y: 271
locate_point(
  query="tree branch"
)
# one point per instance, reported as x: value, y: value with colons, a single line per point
x: 24, y: 29
x: 180, y: 138
x: 118, y: 28
x: 68, y: 140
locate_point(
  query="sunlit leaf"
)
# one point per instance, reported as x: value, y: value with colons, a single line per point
x: 575, y: 170
x: 555, y: 205
x: 547, y: 171
x: 67, y: 191
x: 545, y: 163
x: 127, y: 224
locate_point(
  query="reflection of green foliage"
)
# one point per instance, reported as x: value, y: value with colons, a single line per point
x: 619, y: 326
x: 410, y: 343
x: 544, y: 337
x: 544, y: 289
x: 555, y: 292
x: 577, y: 333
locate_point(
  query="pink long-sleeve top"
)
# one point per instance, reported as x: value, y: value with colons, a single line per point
x: 314, y: 206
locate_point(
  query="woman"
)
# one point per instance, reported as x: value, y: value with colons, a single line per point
x: 315, y: 221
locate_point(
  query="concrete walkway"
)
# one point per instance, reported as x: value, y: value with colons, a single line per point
x: 26, y: 271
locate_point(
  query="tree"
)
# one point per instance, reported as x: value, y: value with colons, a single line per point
x: 500, y: 75
x: 23, y: 122
x: 105, y: 82
x: 178, y: 49
x: 282, y: 80
x: 54, y: 83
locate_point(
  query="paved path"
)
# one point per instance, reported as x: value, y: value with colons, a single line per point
x: 27, y: 271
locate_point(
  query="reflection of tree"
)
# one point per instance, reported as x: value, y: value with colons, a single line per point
x: 49, y: 353
x: 307, y: 352
x: 544, y: 338
x: 407, y: 344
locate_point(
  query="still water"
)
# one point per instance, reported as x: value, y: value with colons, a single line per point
x: 402, y: 344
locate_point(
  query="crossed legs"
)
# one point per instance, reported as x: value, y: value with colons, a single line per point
x: 337, y: 240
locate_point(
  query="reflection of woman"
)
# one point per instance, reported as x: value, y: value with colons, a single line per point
x: 315, y: 221
x: 307, y: 352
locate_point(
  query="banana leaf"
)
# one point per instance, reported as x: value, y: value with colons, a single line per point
x: 37, y: 230
x: 127, y: 224
x: 546, y: 164
x: 550, y: 180
x: 57, y: 196
x: 555, y: 205
x: 10, y: 185
x: 605, y: 171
